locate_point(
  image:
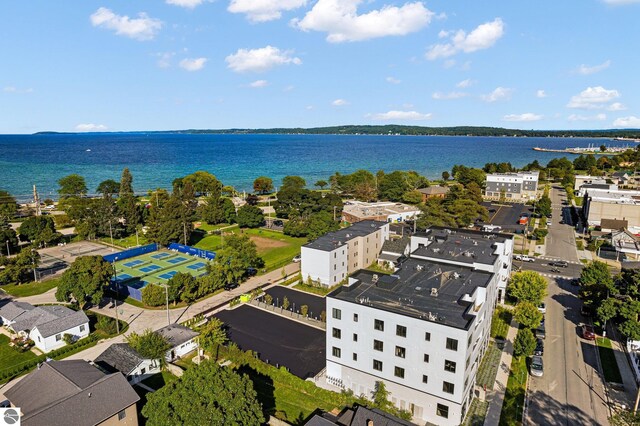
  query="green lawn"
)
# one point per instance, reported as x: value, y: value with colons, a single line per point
x: 608, y: 361
x: 30, y: 289
x: 514, y: 396
x: 206, y: 227
x: 477, y: 413
x: 11, y: 358
x: 321, y: 291
x: 159, y: 380
x: 127, y: 242
x: 500, y: 323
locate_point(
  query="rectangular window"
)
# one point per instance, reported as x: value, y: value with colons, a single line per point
x: 336, y: 352
x: 337, y: 333
x: 355, y: 337
x: 425, y: 379
x: 398, y: 372
x: 469, y: 341
x: 427, y: 336
x: 401, y: 331
x: 452, y: 344
x: 400, y: 352
x: 336, y: 313
x: 447, y: 387
x: 81, y: 328
x: 122, y: 415
x: 449, y: 366
x: 378, y: 345
x: 426, y: 357
x: 143, y: 370
x: 355, y: 317
x: 378, y: 325
x: 355, y: 356
x: 442, y: 411
x: 58, y: 337
x: 377, y: 365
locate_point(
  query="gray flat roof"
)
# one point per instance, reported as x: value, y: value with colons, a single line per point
x: 409, y: 291
x: 332, y: 240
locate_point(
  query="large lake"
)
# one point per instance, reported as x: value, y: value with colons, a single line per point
x: 156, y: 159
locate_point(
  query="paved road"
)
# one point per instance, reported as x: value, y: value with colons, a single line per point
x: 571, y: 391
x: 541, y: 265
x: 561, y: 239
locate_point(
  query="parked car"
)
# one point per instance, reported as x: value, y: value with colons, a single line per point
x: 588, y: 333
x: 542, y: 308
x: 549, y: 223
x: 537, y: 366
x: 297, y: 258
x: 252, y: 272
x: 278, y: 222
x: 524, y: 258
x: 539, y: 350
x: 560, y: 263
x: 230, y: 286
x: 541, y: 333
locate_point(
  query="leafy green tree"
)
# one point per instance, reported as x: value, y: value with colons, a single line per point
x: 465, y: 175
x: 412, y: 197
x: 229, y: 399
x: 72, y: 186
x: 319, y: 224
x: 263, y: 185
x: 108, y: 188
x: 40, y: 230
x: 630, y: 329
x: 434, y: 213
x: 596, y: 284
x: 153, y: 295
x: 445, y: 176
x: 19, y: 269
x: 321, y: 184
x: 543, y: 206
x: 527, y: 314
x: 528, y: 286
x: 293, y: 182
x: 525, y: 343
x: 7, y: 237
x: 129, y: 209
x: 204, y: 183
x: 170, y: 223
x: 625, y: 418
x: 212, y: 334
x: 85, y: 280
x: 304, y: 309
x: 607, y: 310
x: 149, y: 344
x: 250, y: 217
x: 467, y: 211
x: 540, y: 233
x: 126, y: 183
x: 393, y: 186
x: 380, y: 396
x: 268, y: 299
x: 285, y: 303
x: 8, y: 205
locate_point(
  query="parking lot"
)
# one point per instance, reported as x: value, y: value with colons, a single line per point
x: 276, y: 339
x: 506, y: 215
x: 316, y: 304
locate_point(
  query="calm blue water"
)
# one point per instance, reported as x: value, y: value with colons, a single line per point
x: 156, y: 159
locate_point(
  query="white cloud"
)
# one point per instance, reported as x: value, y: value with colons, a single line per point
x: 339, y: 102
x: 264, y: 10
x: 447, y: 96
x: 393, y: 80
x: 90, y: 127
x: 340, y: 19
x: 593, y: 98
x: 309, y: 107
x: 616, y: 106
x: 541, y: 94
x: 527, y: 116
x: 13, y: 89
x: 483, y: 37
x: 465, y: 83
x: 260, y: 60
x: 578, y: 117
x: 258, y: 84
x: 164, y: 59
x: 141, y: 28
x: 401, y: 115
x: 195, y: 64
x: 587, y: 70
x: 189, y: 4
x: 499, y: 93
x: 630, y: 121
x: 621, y: 2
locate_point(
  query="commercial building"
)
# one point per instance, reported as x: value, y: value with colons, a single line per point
x: 520, y: 186
x: 601, y: 204
x: 423, y: 329
x: 358, y: 211
x: 332, y: 257
x: 588, y: 180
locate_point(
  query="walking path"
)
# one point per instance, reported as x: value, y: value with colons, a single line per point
x: 496, y: 397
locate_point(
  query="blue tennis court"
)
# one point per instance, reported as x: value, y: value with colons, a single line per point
x: 150, y: 268
x: 178, y: 259
x: 168, y: 275
x: 196, y: 266
x: 138, y: 284
x: 133, y: 263
x: 161, y: 255
x: 122, y: 277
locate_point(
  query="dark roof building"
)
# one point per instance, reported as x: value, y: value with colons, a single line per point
x: 357, y: 416
x: 49, y: 320
x: 332, y: 240
x: 73, y: 393
x: 613, y: 224
x: 177, y: 334
x: 119, y: 357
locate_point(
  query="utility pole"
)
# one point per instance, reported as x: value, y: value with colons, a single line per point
x: 35, y: 277
x: 8, y: 251
x: 36, y: 201
x: 184, y: 224
x: 117, y: 320
x: 111, y: 233
x: 166, y: 292
x: 137, y: 241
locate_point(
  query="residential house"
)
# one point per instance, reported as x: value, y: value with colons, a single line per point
x: 622, y: 177
x: 610, y: 225
x: 385, y: 211
x: 626, y: 244
x: 45, y: 325
x: 433, y: 192
x: 62, y: 393
x: 182, y: 340
x: 332, y: 257
x: 520, y: 186
x: 393, y: 250
x: 123, y: 358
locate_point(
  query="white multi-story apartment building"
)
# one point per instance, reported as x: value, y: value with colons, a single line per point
x: 520, y: 186
x: 332, y: 257
x: 422, y: 331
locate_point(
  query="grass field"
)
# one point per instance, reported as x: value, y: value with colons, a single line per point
x: 11, y: 358
x: 514, y: 396
x: 127, y: 242
x: 206, y: 227
x: 30, y: 289
x: 608, y: 361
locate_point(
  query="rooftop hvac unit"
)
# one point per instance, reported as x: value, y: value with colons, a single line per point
x: 456, y: 275
x: 419, y: 267
x: 374, y: 279
x: 434, y: 292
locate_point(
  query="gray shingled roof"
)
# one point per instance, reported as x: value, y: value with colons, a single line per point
x: 60, y: 325
x: 177, y: 334
x: 120, y: 357
x: 398, y: 245
x: 379, y: 418
x: 49, y: 320
x: 70, y: 393
x: 11, y: 310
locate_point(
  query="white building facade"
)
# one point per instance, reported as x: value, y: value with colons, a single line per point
x: 521, y: 186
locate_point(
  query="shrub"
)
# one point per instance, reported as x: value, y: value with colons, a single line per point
x: 153, y: 295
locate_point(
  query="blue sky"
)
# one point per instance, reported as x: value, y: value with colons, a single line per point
x: 181, y: 64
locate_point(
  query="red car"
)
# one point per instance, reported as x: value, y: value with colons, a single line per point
x: 588, y: 333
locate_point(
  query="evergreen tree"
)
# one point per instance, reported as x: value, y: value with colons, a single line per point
x: 126, y: 183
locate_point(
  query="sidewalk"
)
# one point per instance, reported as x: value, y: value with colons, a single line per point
x: 628, y: 396
x: 496, y: 397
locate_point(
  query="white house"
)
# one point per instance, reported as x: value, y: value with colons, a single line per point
x: 182, y: 340
x: 45, y: 325
x: 422, y: 331
x: 123, y: 358
x: 332, y: 257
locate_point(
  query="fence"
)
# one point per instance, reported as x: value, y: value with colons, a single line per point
x: 204, y: 254
x: 288, y: 313
x: 133, y: 252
